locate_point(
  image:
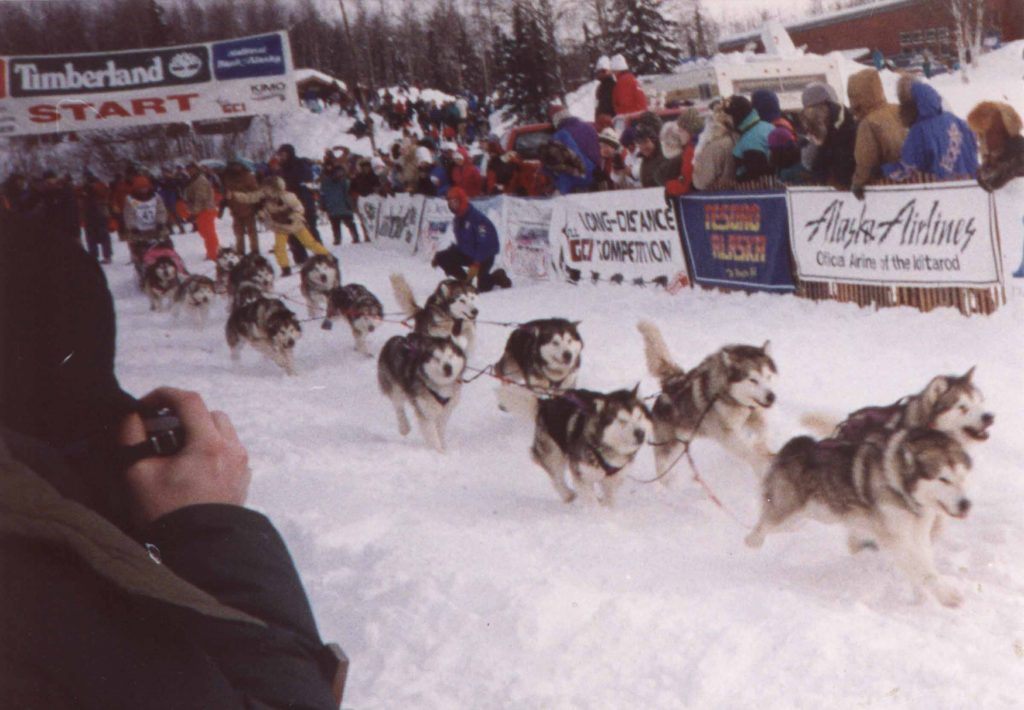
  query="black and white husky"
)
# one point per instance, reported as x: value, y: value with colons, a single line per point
x: 252, y: 268
x: 595, y: 436
x: 319, y: 274
x: 424, y: 372
x: 888, y: 489
x: 244, y: 294
x: 195, y: 296
x: 359, y: 308
x: 542, y: 354
x: 450, y: 312
x: 723, y: 398
x: 160, y: 282
x: 227, y: 259
x: 269, y: 327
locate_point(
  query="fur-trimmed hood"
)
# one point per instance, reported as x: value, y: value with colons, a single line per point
x: 865, y: 92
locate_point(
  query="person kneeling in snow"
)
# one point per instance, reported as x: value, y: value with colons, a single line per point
x: 476, y: 246
x: 284, y: 213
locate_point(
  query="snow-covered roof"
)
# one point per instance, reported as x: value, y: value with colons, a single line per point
x: 306, y: 74
x: 827, y: 18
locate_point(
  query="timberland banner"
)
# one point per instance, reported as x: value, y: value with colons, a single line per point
x: 205, y: 81
x: 939, y: 234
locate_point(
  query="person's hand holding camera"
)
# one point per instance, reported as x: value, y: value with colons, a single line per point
x: 212, y: 467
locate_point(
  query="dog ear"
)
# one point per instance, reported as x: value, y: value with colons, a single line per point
x: 726, y: 358
x: 444, y: 290
x: 636, y: 390
x: 767, y: 348
x: 935, y: 389
x: 968, y: 376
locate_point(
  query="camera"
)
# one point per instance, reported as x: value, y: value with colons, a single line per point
x: 165, y: 436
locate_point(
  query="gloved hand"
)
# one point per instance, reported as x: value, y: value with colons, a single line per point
x: 858, y: 192
x: 474, y: 269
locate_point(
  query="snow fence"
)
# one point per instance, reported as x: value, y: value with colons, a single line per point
x: 922, y: 245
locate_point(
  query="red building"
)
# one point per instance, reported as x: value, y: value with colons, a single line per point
x: 896, y: 27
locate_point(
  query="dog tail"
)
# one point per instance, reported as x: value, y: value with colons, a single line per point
x: 403, y: 295
x: 519, y: 401
x: 659, y: 361
x: 819, y: 423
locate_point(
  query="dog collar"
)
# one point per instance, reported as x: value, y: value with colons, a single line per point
x: 608, y: 469
x: 443, y: 401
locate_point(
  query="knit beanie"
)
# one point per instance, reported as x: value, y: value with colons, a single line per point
x: 766, y: 103
x: 691, y: 121
x: 818, y: 93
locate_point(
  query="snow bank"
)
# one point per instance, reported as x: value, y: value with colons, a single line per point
x: 461, y: 581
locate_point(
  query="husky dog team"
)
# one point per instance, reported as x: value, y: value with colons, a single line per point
x: 890, y: 474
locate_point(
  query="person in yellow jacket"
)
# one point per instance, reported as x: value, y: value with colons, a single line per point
x: 285, y: 215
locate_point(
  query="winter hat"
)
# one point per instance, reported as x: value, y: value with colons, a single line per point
x: 766, y: 103
x: 423, y: 155
x: 818, y: 93
x: 691, y: 121
x: 557, y: 113
x: 378, y: 165
x: 648, y: 125
x: 448, y: 146
x: 141, y: 183
x: 609, y: 137
x: 737, y: 108
x: 618, y: 63
x: 603, y: 64
x: 461, y: 200
x: 671, y: 140
x: 459, y: 156
x: 781, y: 138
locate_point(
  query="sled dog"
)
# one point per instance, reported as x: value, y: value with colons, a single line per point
x: 359, y: 308
x: 227, y: 259
x: 723, y: 398
x: 595, y: 435
x: 160, y: 282
x: 253, y: 268
x: 245, y: 293
x: 450, y: 312
x: 951, y: 404
x: 195, y: 295
x: 889, y: 488
x: 269, y: 327
x: 543, y: 355
x: 424, y: 372
x: 319, y: 274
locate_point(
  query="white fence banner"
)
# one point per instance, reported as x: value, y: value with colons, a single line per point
x: 202, y: 81
x: 941, y: 234
x: 525, y: 244
x: 435, y: 231
x: 398, y: 223
x: 619, y: 236
x: 368, y: 210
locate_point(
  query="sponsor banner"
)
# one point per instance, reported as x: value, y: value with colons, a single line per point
x: 368, y: 209
x: 941, y: 234
x: 738, y: 240
x: 629, y: 235
x: 398, y: 223
x: 436, y: 231
x: 526, y: 246
x: 1009, y: 202
x: 211, y: 81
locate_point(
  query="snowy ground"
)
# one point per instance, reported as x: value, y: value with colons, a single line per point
x: 461, y: 581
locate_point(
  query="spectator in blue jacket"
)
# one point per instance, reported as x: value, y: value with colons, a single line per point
x: 938, y: 144
x: 475, y: 247
x: 337, y: 202
x: 751, y: 150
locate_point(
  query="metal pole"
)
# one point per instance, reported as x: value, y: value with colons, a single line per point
x: 355, y: 71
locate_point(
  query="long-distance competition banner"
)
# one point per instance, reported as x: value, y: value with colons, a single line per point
x: 940, y: 234
x: 203, y: 81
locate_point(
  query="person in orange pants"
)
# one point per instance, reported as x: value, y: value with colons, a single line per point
x: 284, y: 213
x: 198, y: 195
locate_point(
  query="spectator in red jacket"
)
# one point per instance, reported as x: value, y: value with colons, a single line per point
x: 627, y: 97
x: 465, y: 174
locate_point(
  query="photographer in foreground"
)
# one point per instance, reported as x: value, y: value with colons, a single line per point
x: 128, y: 586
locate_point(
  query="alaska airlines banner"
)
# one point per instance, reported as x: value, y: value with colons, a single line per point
x: 739, y: 240
x: 618, y: 236
x: 398, y: 223
x: 213, y: 80
x: 939, y: 234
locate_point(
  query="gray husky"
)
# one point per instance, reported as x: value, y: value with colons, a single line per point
x: 319, y: 274
x: 160, y: 283
x: 722, y: 398
x: 543, y: 355
x: 227, y: 259
x: 195, y: 295
x: 450, y: 312
x: 596, y: 436
x: 269, y: 327
x: 251, y: 268
x: 426, y: 373
x: 359, y: 308
x: 889, y: 488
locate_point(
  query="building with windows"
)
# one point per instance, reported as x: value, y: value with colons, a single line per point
x: 900, y: 29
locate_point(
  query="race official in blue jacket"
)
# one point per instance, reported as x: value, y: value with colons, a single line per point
x: 475, y: 248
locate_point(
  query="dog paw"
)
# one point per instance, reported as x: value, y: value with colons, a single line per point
x: 947, y: 593
x: 754, y: 540
x: 568, y: 497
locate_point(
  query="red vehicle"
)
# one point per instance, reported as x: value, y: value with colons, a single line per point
x: 526, y: 142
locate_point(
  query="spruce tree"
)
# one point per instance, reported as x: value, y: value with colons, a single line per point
x: 644, y: 36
